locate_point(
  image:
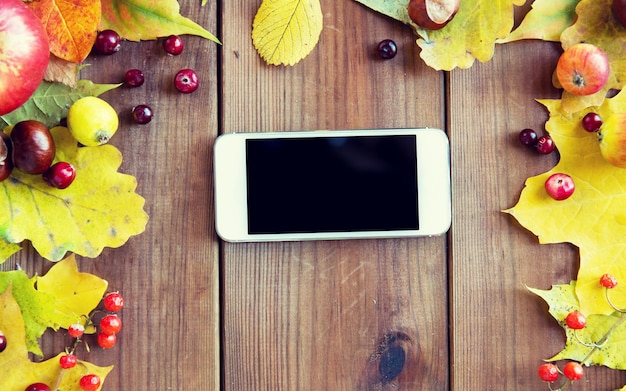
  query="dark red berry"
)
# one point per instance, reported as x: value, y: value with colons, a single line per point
x: 37, y: 387
x: 528, y: 137
x: 545, y: 145
x: 142, y: 114
x: 173, y: 45
x: 89, y: 382
x: 387, y: 49
x: 113, y: 302
x: 548, y: 372
x: 134, y: 78
x: 107, y: 42
x: 60, y: 175
x: 3, y: 342
x: 608, y: 281
x: 592, y: 122
x: 186, y: 81
x: 576, y: 320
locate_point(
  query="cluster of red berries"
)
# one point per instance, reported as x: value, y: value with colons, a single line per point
x: 109, y: 326
x: 542, y: 144
x: 575, y: 320
x: 185, y: 81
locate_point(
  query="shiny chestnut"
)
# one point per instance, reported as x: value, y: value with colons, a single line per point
x: 6, y: 162
x: 33, y: 147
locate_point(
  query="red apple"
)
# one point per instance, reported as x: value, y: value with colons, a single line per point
x: 432, y: 14
x: 612, y: 138
x: 583, y: 69
x: 560, y: 186
x: 24, y: 54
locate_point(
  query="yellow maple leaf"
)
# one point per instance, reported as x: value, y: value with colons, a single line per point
x: 596, y: 24
x: 286, y: 31
x: 594, y: 217
x: 24, y: 372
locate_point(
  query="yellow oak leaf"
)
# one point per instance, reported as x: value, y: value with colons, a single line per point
x: 99, y: 209
x: 286, y: 31
x: 594, y: 217
x: 19, y: 371
x: 596, y: 24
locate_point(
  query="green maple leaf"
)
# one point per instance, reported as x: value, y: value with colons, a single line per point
x: 562, y: 300
x: 546, y: 21
x: 100, y: 209
x: 50, y: 102
x: 137, y: 20
x: 23, y: 371
x: 594, y: 217
x: 56, y: 300
x: 470, y: 36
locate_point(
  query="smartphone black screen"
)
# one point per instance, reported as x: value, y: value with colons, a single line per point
x: 333, y: 184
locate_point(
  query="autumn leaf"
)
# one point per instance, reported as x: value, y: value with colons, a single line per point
x: 24, y: 371
x: 62, y: 71
x: 611, y: 350
x: 596, y: 25
x: 50, y: 102
x: 137, y: 20
x: 286, y: 31
x: 546, y: 21
x: 100, y: 209
x: 76, y: 293
x: 470, y: 36
x: 594, y: 217
x: 7, y: 249
x: 71, y: 26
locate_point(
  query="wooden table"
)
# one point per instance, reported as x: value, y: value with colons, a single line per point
x: 206, y: 315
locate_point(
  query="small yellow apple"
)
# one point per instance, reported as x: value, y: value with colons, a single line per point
x: 612, y: 138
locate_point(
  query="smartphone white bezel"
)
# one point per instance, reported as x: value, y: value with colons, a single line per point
x: 434, y: 206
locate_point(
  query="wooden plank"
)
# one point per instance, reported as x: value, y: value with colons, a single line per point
x: 501, y: 332
x: 319, y: 315
x: 168, y: 274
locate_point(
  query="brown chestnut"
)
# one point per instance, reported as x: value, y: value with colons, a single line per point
x: 6, y: 163
x: 33, y: 147
x: 432, y: 14
x: 619, y: 10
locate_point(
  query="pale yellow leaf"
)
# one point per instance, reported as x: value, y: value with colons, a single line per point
x: 286, y: 31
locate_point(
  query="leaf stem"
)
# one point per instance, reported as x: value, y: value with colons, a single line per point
x: 605, y: 337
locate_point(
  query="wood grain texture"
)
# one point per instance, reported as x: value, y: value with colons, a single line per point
x: 322, y: 315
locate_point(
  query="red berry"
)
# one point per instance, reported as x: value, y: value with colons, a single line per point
x: 608, y: 281
x: 60, y: 175
x: 573, y: 370
x: 528, y: 137
x: 110, y: 324
x: 107, y: 42
x: 575, y: 320
x: 560, y: 186
x: 142, y: 114
x: 90, y: 382
x: 173, y: 45
x: 545, y: 145
x: 113, y: 302
x: 3, y: 342
x: 76, y: 330
x: 68, y: 361
x: 134, y: 78
x: 37, y: 387
x: 548, y: 372
x: 387, y: 49
x: 106, y: 341
x: 186, y: 81
x: 592, y: 122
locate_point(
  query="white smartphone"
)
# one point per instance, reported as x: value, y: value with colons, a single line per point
x: 339, y: 184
